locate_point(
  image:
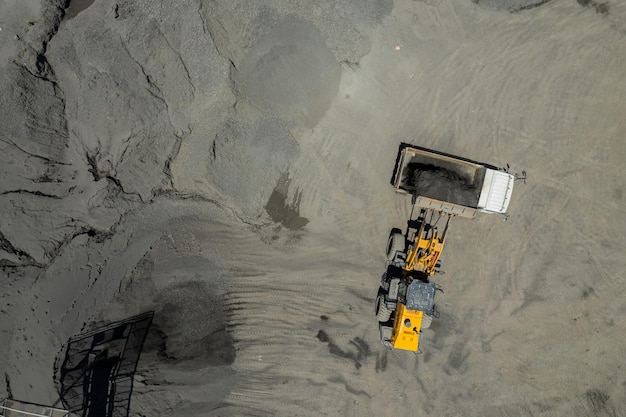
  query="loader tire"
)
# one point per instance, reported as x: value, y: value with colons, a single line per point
x: 426, y: 321
x: 394, y: 244
x: 382, y: 312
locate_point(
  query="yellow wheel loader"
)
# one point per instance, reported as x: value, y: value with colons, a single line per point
x: 406, y: 298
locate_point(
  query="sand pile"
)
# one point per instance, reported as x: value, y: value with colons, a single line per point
x: 226, y: 166
x: 442, y: 184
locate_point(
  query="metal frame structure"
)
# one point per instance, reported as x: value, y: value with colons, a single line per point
x: 96, y: 378
x: 13, y: 408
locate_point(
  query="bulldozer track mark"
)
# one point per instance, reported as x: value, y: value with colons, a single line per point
x: 322, y: 155
x: 348, y: 388
x: 381, y: 361
x: 283, y: 387
x: 505, y: 288
x: 302, y: 310
x: 380, y: 86
x: 361, y: 353
x: 279, y: 291
x: 457, y: 359
x: 599, y: 402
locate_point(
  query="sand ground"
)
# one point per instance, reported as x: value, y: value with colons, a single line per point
x: 227, y: 164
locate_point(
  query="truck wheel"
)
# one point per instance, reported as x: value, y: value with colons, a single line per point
x: 382, y: 312
x: 426, y: 321
x: 394, y: 244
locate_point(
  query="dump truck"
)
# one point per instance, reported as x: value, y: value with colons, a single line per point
x: 442, y: 186
x: 451, y: 184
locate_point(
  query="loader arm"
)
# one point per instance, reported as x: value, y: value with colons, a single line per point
x: 424, y: 255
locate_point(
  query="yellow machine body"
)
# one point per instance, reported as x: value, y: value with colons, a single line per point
x: 406, y: 329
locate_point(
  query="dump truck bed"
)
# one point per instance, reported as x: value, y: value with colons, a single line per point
x: 451, y: 184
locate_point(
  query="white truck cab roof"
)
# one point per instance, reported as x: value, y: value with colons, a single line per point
x: 496, y: 193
